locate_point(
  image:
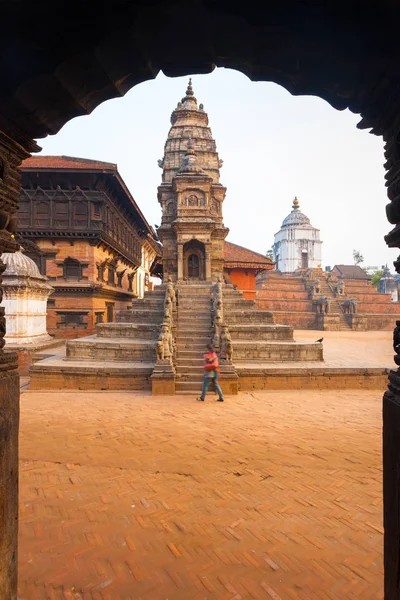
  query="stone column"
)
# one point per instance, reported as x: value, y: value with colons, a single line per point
x: 11, y: 156
x: 208, y: 262
x: 180, y: 261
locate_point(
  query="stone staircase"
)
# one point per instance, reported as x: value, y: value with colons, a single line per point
x: 255, y: 337
x: 122, y: 355
x: 193, y: 333
x: 335, y: 308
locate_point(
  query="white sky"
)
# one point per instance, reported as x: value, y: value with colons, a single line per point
x: 274, y: 146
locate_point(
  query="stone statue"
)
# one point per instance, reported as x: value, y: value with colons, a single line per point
x: 350, y: 306
x: 226, y: 348
x: 165, y: 343
x: 323, y: 304
x: 313, y: 288
x: 171, y: 292
x: 339, y: 288
x: 160, y: 163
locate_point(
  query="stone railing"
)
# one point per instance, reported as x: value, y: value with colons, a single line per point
x: 222, y: 340
x: 166, y: 346
x: 163, y: 376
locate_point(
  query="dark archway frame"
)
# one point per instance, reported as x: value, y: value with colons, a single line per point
x: 58, y: 66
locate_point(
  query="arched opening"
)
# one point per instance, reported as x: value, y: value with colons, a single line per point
x: 194, y: 260
x: 311, y: 52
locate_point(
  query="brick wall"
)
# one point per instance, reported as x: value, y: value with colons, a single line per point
x: 245, y: 281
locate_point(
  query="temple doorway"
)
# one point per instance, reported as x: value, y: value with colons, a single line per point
x: 304, y: 260
x: 194, y: 260
x: 193, y: 266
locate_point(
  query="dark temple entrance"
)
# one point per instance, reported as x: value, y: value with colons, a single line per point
x: 193, y: 266
x: 194, y: 260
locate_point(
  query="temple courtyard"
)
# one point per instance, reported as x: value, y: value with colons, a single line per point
x: 270, y: 495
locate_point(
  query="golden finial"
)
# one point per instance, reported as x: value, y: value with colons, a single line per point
x: 296, y: 203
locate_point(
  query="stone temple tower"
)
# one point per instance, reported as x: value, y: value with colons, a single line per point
x: 191, y: 197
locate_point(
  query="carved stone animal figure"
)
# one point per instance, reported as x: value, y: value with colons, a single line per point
x: 164, y: 344
x: 226, y: 347
x: 339, y: 288
x: 323, y: 304
x: 350, y: 306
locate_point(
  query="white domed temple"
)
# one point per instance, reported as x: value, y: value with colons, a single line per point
x: 297, y: 243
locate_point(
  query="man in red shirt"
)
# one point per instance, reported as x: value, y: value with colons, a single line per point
x: 211, y: 371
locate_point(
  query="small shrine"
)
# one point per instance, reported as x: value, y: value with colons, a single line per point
x: 25, y: 294
x: 297, y: 244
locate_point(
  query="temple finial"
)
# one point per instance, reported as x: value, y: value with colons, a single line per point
x: 296, y: 203
x: 189, y: 91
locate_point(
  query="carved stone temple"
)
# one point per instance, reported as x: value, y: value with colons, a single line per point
x: 158, y: 343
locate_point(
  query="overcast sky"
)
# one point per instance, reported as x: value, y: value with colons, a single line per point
x: 274, y: 146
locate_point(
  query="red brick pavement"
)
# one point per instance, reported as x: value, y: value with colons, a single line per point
x: 271, y: 495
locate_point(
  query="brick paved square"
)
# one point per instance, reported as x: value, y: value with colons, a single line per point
x: 271, y: 495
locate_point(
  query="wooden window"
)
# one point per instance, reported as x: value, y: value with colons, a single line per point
x: 41, y: 214
x: 80, y: 214
x: 72, y: 269
x: 24, y: 214
x: 72, y: 320
x: 61, y: 214
x: 99, y: 317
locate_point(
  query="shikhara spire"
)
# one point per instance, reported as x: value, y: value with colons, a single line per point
x: 190, y: 121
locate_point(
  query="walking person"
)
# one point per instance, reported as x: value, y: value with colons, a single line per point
x: 211, y: 371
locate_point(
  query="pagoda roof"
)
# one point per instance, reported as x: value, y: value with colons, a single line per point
x: 74, y: 164
x: 238, y: 257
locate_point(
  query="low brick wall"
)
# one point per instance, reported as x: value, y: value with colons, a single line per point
x: 318, y: 378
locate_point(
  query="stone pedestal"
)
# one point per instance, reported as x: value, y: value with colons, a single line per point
x: 163, y: 379
x: 328, y: 321
x: 229, y: 380
x: 357, y: 322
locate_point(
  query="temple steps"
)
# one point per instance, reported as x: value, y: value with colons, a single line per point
x: 94, y: 348
x: 139, y: 331
x: 264, y: 332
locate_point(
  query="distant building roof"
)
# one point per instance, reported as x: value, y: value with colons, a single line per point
x: 236, y: 257
x: 351, y: 272
x: 66, y: 162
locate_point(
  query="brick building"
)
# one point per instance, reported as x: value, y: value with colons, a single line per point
x: 80, y: 224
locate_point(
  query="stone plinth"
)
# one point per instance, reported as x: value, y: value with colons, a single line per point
x: 229, y: 380
x: 163, y: 379
x: 328, y: 322
x: 358, y: 322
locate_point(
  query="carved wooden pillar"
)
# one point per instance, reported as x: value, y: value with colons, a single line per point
x: 11, y: 156
x: 391, y: 399
x: 180, y: 261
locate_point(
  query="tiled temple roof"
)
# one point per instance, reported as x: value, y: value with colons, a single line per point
x: 351, y: 272
x: 66, y: 162
x: 239, y: 257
